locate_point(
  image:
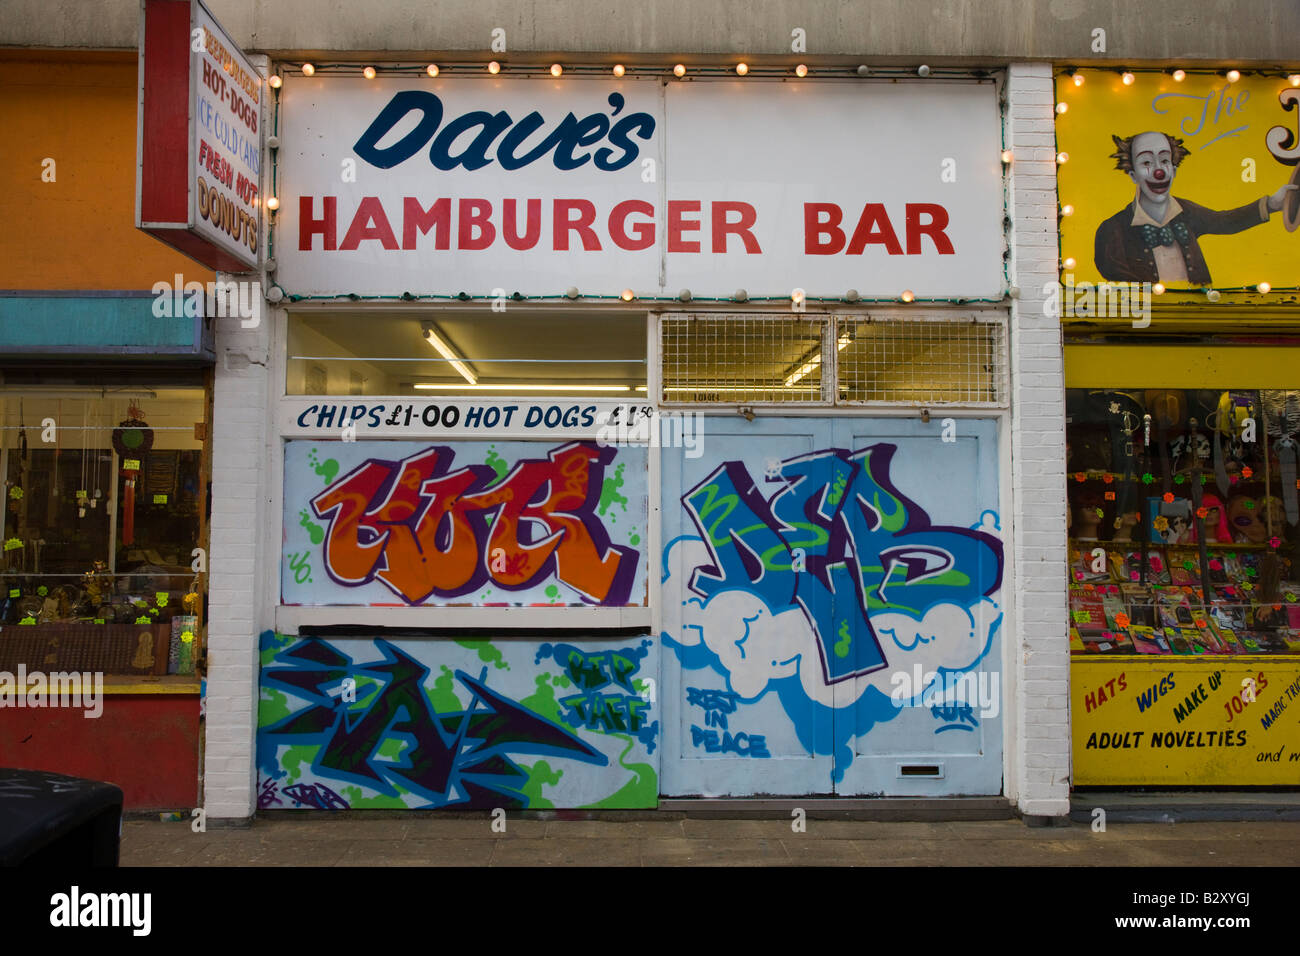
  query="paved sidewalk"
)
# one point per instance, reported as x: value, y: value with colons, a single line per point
x: 432, y: 841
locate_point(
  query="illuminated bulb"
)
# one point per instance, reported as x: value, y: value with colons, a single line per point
x: 679, y: 70
x: 1212, y: 295
x: 556, y: 69
x: 274, y: 82
x: 368, y: 73
x: 431, y: 69
x: 801, y: 70
x: 1062, y: 107
x: 1234, y: 76
x: 1158, y: 288
x: 627, y: 295
x: 1062, y: 158
x: 494, y: 67
x: 308, y: 70
x: 1078, y: 79
x: 796, y: 296
x: 618, y: 69
x: 1068, y: 262
x: 1128, y: 78
x: 272, y: 203
x: 907, y: 295
x: 742, y: 69
x: 1180, y: 75
x: 1067, y: 210
x: 1294, y: 79
x: 1006, y: 156
x: 1264, y: 287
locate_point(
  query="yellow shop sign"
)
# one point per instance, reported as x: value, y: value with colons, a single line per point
x: 1169, y: 722
x: 1193, y: 183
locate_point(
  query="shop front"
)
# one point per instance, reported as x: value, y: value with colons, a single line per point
x: 1182, y: 411
x: 604, y: 477
x: 105, y: 398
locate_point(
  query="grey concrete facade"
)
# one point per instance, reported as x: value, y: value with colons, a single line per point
x: 1259, y: 33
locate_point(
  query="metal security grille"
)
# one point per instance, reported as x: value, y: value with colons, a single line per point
x: 922, y: 361
x: 918, y: 360
x: 742, y: 359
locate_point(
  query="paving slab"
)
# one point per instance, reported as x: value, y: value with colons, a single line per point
x: 584, y: 852
x: 418, y: 853
x: 701, y: 852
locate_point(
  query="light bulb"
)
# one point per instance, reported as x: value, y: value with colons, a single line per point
x: 679, y: 70
x: 1212, y: 295
x: 1294, y: 79
x: 922, y: 70
x: 618, y: 69
x: 494, y: 67
x: 272, y: 203
x: 1128, y: 78
x: 1180, y: 75
x: 1062, y: 158
x: 368, y: 73
x: 1078, y: 79
x: 556, y: 69
x: 907, y: 295
x: 742, y: 69
x: 1062, y: 107
x: 1067, y: 210
x: 275, y: 82
x: 801, y: 70
x: 1264, y: 287
x: 1006, y: 156
x: 627, y: 295
x: 1068, y: 262
x: 1158, y: 288
x: 308, y: 70
x: 1234, y: 76
x: 431, y: 69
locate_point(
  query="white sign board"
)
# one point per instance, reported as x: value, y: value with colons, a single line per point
x: 493, y: 185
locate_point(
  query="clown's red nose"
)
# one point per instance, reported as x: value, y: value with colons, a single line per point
x: 1158, y: 174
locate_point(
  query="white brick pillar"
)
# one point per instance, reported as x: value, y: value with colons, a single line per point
x: 240, y: 574
x: 1040, y: 778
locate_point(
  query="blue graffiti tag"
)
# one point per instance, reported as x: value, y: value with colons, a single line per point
x: 607, y: 700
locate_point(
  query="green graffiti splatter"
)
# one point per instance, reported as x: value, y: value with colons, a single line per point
x: 641, y: 791
x: 381, y: 802
x: 837, y: 490
x: 486, y: 653
x: 272, y: 707
x: 272, y: 646
x: 442, y: 695
x: 633, y: 537
x: 553, y: 592
x: 846, y: 638
x: 327, y: 469
x: 609, y: 491
x: 297, y: 755
x: 540, y: 775
x: 497, y: 464
x: 543, y: 700
x: 314, y: 531
x: 390, y: 748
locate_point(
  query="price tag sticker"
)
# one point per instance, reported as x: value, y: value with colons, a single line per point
x: 187, y: 637
x: 161, y: 598
x: 99, y: 620
x: 131, y: 464
x: 15, y: 592
x: 81, y: 495
x: 160, y: 499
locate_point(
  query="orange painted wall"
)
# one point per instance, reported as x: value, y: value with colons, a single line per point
x: 79, y: 231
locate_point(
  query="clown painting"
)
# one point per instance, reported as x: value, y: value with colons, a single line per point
x: 1155, y: 237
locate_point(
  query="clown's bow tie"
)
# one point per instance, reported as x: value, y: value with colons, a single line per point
x: 1175, y: 232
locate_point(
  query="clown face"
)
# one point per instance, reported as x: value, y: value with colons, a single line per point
x: 1153, y: 167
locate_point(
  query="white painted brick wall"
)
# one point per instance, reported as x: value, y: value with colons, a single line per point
x: 239, y: 573
x: 1040, y: 758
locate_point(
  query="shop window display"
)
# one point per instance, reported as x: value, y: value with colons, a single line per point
x: 102, y: 513
x: 1183, y: 514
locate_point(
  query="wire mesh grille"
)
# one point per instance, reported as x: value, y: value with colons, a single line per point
x: 929, y: 362
x: 734, y: 359
x: 742, y: 359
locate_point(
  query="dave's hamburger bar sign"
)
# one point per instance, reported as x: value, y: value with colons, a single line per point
x: 199, y: 144
x: 537, y: 185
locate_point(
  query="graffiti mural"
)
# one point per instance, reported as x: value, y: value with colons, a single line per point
x: 510, y: 523
x: 370, y: 723
x: 828, y: 603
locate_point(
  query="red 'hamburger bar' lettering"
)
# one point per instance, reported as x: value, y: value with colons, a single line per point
x: 692, y: 225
